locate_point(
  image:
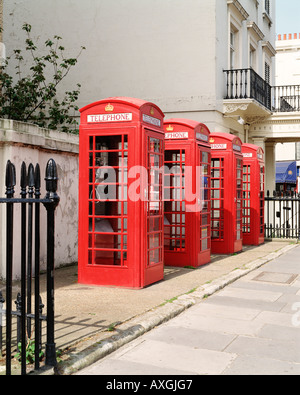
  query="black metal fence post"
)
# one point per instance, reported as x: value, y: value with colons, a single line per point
x: 37, y: 299
x: 23, y: 185
x: 29, y: 249
x: 10, y: 182
x: 2, y: 300
x: 51, y: 188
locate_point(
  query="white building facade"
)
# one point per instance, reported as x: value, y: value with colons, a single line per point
x: 173, y: 52
x: 212, y: 61
x: 288, y: 74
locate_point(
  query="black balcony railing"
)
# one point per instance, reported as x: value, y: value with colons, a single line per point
x: 286, y: 98
x: 247, y: 84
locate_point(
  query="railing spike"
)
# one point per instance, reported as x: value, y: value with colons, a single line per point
x: 10, y: 179
x: 8, y: 175
x: 24, y: 180
x: 51, y: 176
x: 37, y: 178
x: 31, y: 175
x: 13, y: 169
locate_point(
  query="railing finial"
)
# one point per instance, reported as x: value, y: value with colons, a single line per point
x: 10, y: 179
x: 51, y: 180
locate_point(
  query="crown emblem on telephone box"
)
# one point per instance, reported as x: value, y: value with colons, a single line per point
x: 109, y: 107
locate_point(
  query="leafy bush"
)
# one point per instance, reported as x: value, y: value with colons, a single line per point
x: 33, y: 98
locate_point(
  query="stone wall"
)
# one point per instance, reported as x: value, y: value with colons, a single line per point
x: 25, y: 142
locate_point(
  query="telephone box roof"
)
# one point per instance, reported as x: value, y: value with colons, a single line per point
x: 225, y: 136
x: 187, y: 122
x: 252, y: 147
x: 137, y: 103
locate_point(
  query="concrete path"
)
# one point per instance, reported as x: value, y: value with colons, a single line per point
x: 249, y: 327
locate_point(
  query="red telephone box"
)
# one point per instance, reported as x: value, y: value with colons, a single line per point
x: 226, y: 193
x: 187, y: 193
x: 120, y: 193
x: 253, y: 194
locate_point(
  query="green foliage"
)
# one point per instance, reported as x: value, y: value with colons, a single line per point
x: 33, y: 98
x: 30, y: 350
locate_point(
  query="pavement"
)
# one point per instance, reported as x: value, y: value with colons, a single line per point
x: 250, y: 327
x: 92, y: 322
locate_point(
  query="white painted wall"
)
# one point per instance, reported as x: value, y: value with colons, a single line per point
x: 171, y: 52
x: 23, y: 142
x: 288, y: 62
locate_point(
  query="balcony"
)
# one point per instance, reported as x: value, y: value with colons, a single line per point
x: 248, y: 95
x: 286, y: 98
x: 247, y: 84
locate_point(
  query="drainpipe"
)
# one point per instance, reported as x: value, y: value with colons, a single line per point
x: 246, y: 129
x: 2, y: 47
x: 1, y: 19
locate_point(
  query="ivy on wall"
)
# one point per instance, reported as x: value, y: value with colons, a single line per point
x: 33, y: 97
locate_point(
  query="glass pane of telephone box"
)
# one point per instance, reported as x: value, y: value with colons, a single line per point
x: 174, y: 205
x: 154, y: 207
x: 108, y: 200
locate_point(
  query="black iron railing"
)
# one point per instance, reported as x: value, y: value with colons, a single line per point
x: 286, y: 98
x: 247, y: 84
x: 282, y: 215
x: 30, y: 201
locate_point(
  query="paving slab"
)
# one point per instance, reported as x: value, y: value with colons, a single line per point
x: 160, y: 354
x: 281, y: 350
x: 191, y: 337
x: 252, y: 365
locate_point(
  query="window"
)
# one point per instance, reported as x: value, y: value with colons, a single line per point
x: 267, y: 6
x: 267, y: 72
x: 297, y: 151
x: 252, y: 58
x: 232, y: 49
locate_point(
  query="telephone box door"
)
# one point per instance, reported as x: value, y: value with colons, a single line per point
x: 226, y: 193
x: 187, y: 193
x: 154, y: 266
x: 176, y: 252
x: 238, y: 203
x: 107, y: 163
x: 253, y: 195
x: 204, y: 163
